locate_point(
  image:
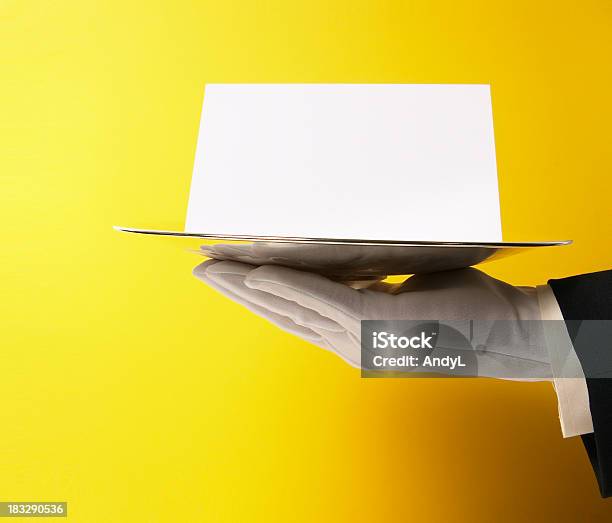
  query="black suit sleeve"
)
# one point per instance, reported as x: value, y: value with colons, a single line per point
x: 589, y: 297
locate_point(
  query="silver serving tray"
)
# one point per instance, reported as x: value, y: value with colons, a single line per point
x: 353, y: 259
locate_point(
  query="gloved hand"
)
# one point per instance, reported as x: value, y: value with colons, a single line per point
x: 328, y: 314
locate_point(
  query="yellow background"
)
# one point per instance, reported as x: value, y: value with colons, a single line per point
x: 135, y: 393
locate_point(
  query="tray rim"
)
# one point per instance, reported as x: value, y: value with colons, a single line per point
x: 342, y: 241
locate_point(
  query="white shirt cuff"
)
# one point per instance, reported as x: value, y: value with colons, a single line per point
x: 572, y: 392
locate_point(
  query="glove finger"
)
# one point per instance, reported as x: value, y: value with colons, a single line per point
x: 331, y: 300
x: 278, y: 320
x: 231, y: 275
x: 339, y: 341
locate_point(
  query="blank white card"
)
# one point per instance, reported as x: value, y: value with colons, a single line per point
x: 354, y: 161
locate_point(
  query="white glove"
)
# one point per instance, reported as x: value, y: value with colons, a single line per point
x: 328, y: 314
